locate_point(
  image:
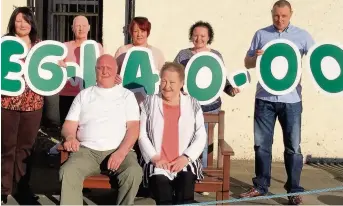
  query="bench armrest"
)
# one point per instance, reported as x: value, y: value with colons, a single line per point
x: 64, y: 153
x: 225, y: 148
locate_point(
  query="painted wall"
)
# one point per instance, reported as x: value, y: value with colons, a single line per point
x: 7, y: 8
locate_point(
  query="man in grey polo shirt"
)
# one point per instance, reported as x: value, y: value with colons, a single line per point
x: 287, y: 108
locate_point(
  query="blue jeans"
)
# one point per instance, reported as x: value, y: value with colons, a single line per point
x: 289, y: 116
x: 205, y: 152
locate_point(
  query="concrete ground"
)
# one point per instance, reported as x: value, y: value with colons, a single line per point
x: 44, y: 182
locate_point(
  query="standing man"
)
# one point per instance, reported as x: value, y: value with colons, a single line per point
x: 100, y: 130
x: 80, y: 29
x: 287, y: 108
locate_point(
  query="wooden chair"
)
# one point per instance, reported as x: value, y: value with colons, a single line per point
x: 217, y: 177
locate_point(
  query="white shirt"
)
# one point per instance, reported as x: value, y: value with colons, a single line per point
x: 102, y: 114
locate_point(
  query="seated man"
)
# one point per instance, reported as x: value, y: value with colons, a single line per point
x: 100, y: 130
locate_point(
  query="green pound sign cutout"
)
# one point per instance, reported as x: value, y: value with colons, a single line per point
x: 205, y: 77
x: 326, y: 67
x: 13, y: 49
x: 138, y: 71
x: 278, y: 70
x: 42, y: 72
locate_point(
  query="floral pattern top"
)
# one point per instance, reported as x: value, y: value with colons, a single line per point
x: 27, y: 101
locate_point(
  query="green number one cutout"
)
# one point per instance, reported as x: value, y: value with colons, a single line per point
x: 138, y: 71
x: 89, y: 53
x: 42, y: 72
x: 278, y: 70
x: 13, y: 49
x: 326, y: 67
x: 205, y: 77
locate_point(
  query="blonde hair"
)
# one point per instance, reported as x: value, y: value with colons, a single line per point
x: 175, y: 67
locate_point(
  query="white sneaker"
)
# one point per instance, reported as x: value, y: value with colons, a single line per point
x: 205, y: 193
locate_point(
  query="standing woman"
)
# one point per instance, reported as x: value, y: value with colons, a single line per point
x: 21, y: 116
x: 139, y: 29
x: 201, y: 35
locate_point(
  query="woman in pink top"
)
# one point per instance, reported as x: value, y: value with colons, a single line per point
x: 172, y: 137
x: 80, y: 28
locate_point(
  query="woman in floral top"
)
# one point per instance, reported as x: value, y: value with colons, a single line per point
x: 21, y: 116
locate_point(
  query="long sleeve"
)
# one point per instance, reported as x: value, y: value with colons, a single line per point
x: 147, y: 149
x: 197, y: 146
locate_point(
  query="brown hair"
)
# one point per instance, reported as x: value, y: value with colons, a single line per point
x: 283, y: 3
x: 175, y: 67
x: 142, y: 22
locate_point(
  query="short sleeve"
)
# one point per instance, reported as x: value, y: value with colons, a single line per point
x: 131, y: 107
x: 309, y: 43
x: 75, y: 109
x: 177, y: 58
x: 254, y: 45
x: 101, y: 49
x: 160, y: 59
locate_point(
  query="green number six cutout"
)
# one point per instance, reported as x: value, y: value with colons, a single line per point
x: 42, y: 72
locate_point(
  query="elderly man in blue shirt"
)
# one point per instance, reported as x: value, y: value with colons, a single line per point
x: 287, y: 108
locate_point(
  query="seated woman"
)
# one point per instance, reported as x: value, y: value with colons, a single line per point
x: 172, y: 137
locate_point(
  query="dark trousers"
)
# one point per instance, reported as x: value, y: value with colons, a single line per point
x: 178, y: 191
x: 289, y: 116
x: 64, y: 106
x: 18, y: 133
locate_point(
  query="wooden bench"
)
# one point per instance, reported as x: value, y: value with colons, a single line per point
x: 217, y: 176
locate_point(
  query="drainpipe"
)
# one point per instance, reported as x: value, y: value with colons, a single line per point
x: 130, y: 14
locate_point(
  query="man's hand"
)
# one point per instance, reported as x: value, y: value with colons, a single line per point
x: 118, y: 79
x: 159, y: 163
x: 71, y: 145
x: 115, y: 160
x: 178, y: 164
x: 259, y: 52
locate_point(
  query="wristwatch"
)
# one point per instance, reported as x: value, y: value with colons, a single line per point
x: 189, y: 159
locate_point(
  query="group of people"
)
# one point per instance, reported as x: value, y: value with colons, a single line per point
x: 102, y: 123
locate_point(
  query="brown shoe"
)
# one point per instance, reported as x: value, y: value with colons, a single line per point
x: 253, y: 192
x: 295, y: 200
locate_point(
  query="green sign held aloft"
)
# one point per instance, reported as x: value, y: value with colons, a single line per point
x: 326, y: 67
x: 138, y: 70
x: 278, y: 69
x: 205, y: 77
x: 43, y: 75
x: 12, y: 51
x: 40, y: 68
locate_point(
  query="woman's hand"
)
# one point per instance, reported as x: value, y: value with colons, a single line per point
x: 178, y: 164
x: 61, y: 63
x: 160, y: 163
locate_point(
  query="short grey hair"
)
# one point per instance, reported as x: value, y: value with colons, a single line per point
x: 175, y: 67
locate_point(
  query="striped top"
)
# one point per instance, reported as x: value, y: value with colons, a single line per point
x: 191, y: 136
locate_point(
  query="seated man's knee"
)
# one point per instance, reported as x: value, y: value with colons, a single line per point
x: 68, y: 171
x: 132, y: 173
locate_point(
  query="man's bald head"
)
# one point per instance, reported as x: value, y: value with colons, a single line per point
x: 81, y: 27
x: 106, y: 71
x: 80, y: 19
